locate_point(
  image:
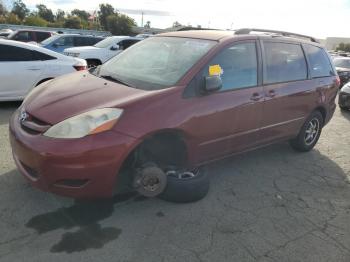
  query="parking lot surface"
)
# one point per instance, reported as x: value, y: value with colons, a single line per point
x: 273, y: 204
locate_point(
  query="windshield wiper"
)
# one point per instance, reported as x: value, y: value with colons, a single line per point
x: 111, y: 78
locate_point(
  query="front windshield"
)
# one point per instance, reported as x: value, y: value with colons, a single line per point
x: 156, y: 63
x: 106, y: 42
x: 50, y: 39
x: 342, y: 63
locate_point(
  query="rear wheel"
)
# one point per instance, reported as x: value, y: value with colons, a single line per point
x: 309, y: 133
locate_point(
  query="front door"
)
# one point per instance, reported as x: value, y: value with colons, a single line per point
x: 228, y: 120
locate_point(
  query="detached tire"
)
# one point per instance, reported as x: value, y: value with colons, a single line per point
x: 309, y: 133
x: 186, y: 189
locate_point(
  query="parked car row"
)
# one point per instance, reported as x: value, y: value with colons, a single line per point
x: 35, y: 63
x: 103, y: 50
x: 59, y: 43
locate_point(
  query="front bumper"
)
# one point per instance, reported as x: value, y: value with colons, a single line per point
x: 344, y: 100
x: 78, y: 168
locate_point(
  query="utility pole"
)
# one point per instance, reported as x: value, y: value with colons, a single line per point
x: 142, y: 18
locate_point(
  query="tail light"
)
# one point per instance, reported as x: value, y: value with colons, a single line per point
x: 80, y: 67
x: 337, y: 81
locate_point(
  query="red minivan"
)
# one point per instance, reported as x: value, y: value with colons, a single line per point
x: 149, y: 118
x: 30, y: 35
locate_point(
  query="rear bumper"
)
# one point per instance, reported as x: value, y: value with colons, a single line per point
x: 78, y: 168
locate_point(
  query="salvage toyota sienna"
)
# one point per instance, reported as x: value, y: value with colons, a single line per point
x: 149, y: 118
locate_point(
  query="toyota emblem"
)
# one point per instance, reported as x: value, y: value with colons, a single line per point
x: 23, y: 115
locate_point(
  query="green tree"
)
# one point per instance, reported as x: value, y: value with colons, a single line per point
x: 343, y: 47
x: 35, y: 21
x: 119, y: 24
x: 73, y: 22
x: 148, y: 24
x: 81, y: 13
x: 176, y: 24
x: 45, y: 13
x: 3, y: 10
x: 20, y: 9
x: 60, y: 15
x: 105, y: 11
x: 13, y: 19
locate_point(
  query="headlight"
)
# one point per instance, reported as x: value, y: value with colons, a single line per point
x: 346, y: 88
x: 92, y: 122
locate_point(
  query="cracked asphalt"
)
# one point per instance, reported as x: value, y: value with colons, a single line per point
x: 273, y: 204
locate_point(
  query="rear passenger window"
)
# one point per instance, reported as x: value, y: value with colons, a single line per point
x: 320, y: 66
x: 41, y: 36
x: 93, y: 41
x: 238, y: 66
x: 41, y: 56
x: 12, y: 53
x: 81, y: 41
x: 16, y: 54
x: 283, y: 63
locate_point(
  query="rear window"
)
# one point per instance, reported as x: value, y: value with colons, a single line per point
x: 320, y: 65
x: 12, y: 53
x: 284, y: 62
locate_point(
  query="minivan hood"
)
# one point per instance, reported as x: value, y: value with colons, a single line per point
x: 76, y: 93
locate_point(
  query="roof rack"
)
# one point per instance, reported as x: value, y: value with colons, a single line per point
x: 245, y: 31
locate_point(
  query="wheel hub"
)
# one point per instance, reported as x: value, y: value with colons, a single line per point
x: 312, y: 131
x: 150, y: 181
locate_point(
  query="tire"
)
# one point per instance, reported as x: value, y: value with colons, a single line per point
x: 303, y: 142
x: 186, y: 190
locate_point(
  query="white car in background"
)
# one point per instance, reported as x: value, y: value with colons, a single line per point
x: 102, y: 51
x: 24, y: 66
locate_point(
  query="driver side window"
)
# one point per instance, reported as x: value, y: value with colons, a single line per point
x: 237, y: 66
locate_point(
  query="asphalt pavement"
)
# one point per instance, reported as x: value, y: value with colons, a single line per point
x: 273, y: 204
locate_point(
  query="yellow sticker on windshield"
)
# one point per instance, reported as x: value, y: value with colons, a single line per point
x: 215, y: 70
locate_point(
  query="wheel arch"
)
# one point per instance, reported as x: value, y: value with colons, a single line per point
x: 323, y: 112
x: 169, y: 136
x: 44, y: 80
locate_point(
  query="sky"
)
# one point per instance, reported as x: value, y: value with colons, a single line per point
x: 319, y: 18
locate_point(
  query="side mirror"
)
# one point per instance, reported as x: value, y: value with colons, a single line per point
x: 115, y: 47
x: 213, y: 83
